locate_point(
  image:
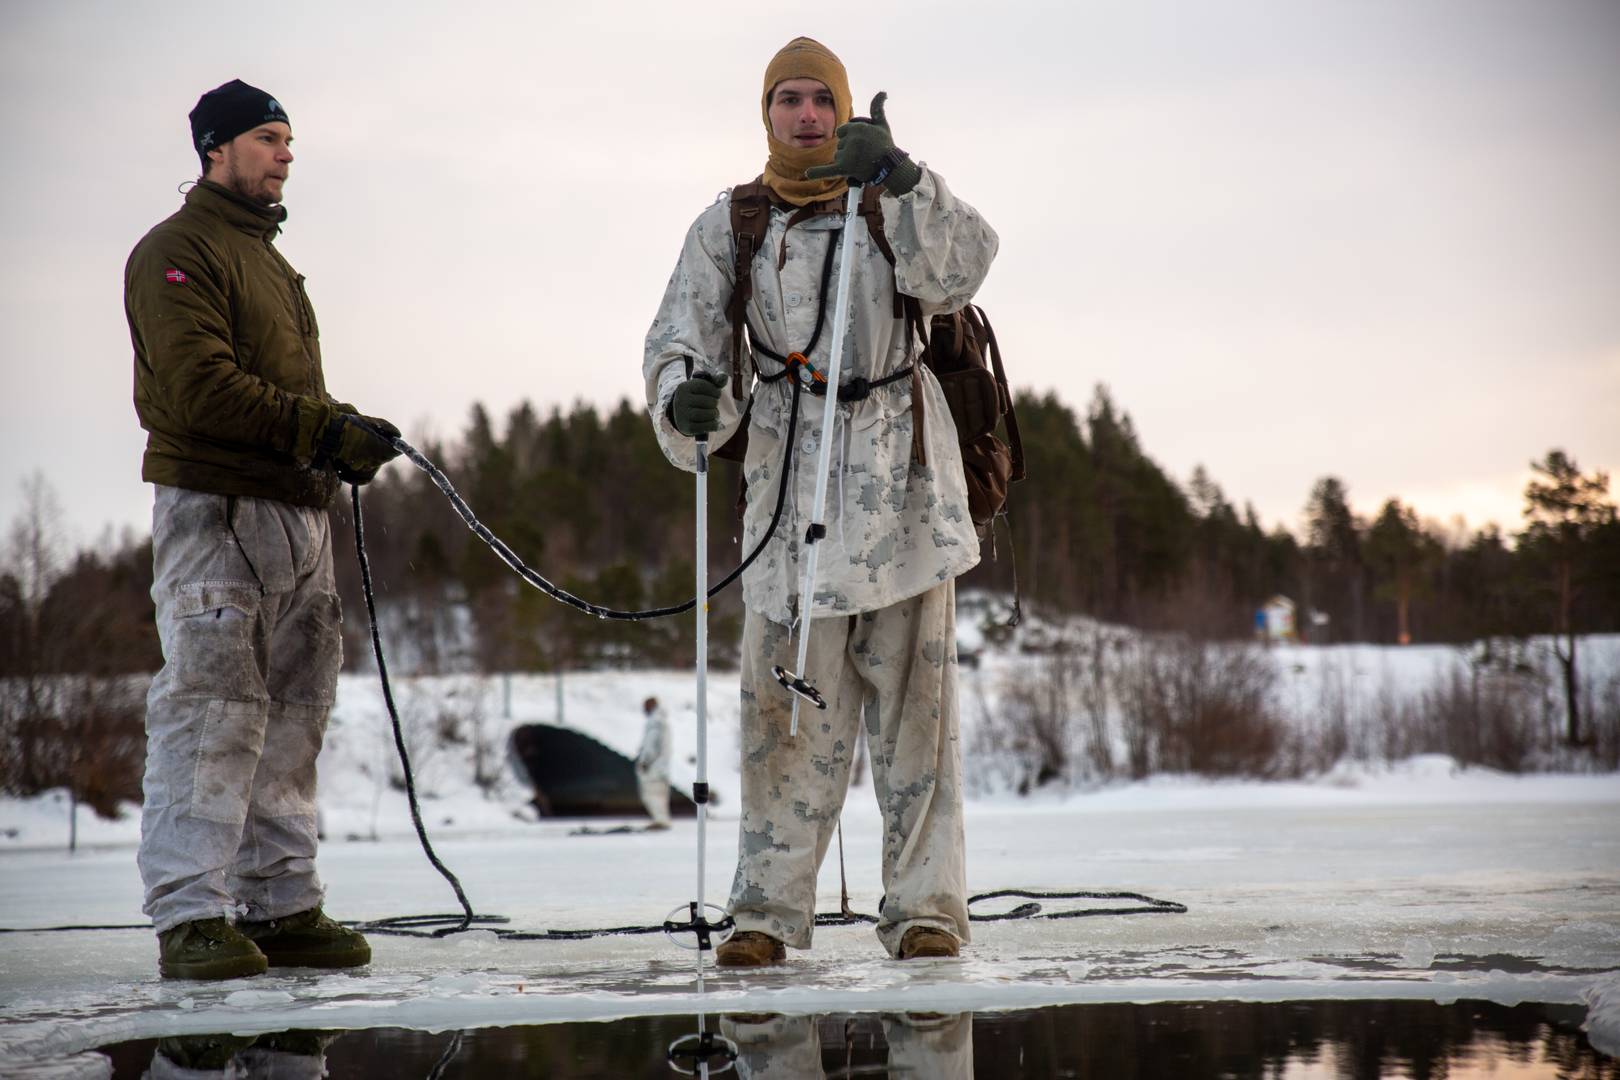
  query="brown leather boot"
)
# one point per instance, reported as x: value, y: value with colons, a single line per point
x: 924, y: 942
x: 750, y: 948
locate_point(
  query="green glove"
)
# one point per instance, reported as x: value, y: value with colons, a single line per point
x: 867, y: 155
x: 355, y: 446
x: 695, y: 408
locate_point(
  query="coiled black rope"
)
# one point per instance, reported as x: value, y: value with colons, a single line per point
x: 438, y: 925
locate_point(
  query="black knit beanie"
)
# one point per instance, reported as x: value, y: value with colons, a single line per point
x: 226, y: 111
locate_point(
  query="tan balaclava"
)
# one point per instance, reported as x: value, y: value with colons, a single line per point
x: 804, y: 58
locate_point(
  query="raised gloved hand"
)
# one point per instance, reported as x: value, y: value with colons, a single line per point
x: 695, y: 408
x: 337, y: 435
x: 867, y: 155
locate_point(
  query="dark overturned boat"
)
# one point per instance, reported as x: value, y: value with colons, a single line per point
x: 573, y: 775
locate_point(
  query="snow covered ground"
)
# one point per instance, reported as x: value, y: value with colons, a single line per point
x: 1419, y: 880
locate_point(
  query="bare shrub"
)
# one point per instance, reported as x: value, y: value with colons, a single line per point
x: 1027, y: 740
x: 1336, y: 693
x: 76, y: 732
x: 1481, y: 715
x: 1200, y: 707
x: 1605, y: 722
x: 445, y: 724
x: 1492, y: 706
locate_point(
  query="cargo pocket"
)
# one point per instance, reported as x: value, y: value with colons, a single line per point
x: 306, y: 653
x: 285, y: 782
x: 227, y: 756
x: 209, y: 645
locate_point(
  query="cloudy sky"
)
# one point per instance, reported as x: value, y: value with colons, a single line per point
x: 1374, y: 239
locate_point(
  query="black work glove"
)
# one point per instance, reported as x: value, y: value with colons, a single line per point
x: 366, y: 445
x: 695, y: 408
x: 334, y: 435
x: 867, y: 155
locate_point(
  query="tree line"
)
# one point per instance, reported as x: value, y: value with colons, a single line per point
x: 585, y: 497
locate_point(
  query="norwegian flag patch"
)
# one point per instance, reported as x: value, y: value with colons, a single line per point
x: 175, y: 277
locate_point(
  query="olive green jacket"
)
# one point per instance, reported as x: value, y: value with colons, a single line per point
x: 225, y: 345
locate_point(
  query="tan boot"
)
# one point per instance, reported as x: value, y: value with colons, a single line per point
x: 750, y: 948
x: 924, y: 942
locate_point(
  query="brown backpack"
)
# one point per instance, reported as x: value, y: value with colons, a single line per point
x: 959, y: 348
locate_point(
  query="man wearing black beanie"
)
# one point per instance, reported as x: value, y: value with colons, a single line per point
x: 245, y: 448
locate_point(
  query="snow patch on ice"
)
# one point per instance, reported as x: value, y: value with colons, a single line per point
x: 256, y: 999
x: 1585, y: 944
x: 1603, y: 1016
x: 1417, y: 952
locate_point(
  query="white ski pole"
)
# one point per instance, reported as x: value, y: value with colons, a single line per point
x: 700, y: 788
x: 795, y: 681
x: 708, y: 933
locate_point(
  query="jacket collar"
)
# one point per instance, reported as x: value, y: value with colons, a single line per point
x: 250, y: 217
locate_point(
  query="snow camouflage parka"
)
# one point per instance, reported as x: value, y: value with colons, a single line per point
x: 894, y: 528
x: 224, y: 338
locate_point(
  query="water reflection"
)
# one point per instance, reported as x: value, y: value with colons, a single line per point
x: 771, y: 1047
x: 284, y: 1055
x: 1313, y: 1040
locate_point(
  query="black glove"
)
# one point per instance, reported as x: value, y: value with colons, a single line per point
x: 867, y: 155
x: 366, y: 445
x: 335, y: 435
x: 695, y: 408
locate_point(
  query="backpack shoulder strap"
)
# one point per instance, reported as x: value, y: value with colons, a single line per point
x: 872, y: 213
x: 750, y: 221
x: 904, y: 306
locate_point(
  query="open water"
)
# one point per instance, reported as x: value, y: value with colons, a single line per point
x: 1305, y: 1040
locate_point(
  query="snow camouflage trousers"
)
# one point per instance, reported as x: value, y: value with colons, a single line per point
x: 893, y: 672
x: 653, y: 784
x: 235, y: 719
x: 776, y: 1047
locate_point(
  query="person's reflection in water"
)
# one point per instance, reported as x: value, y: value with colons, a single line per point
x: 285, y: 1055
x: 775, y: 1047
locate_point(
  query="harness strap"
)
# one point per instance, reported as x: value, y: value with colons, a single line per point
x: 750, y: 221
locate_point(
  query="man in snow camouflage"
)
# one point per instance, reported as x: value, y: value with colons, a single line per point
x: 652, y: 764
x: 882, y: 629
x: 245, y: 449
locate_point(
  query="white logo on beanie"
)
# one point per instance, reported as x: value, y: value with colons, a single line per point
x: 275, y: 105
x: 207, y: 139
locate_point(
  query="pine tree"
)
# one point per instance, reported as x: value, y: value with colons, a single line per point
x: 1566, y: 510
x: 1399, y: 553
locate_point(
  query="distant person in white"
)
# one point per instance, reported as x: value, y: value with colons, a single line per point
x: 652, y: 764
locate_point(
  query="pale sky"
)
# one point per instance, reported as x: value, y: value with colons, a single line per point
x: 1370, y: 238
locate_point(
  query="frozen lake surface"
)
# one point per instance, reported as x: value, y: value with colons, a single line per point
x: 1421, y: 883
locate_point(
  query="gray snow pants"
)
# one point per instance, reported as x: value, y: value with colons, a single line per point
x: 894, y: 669
x: 235, y: 719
